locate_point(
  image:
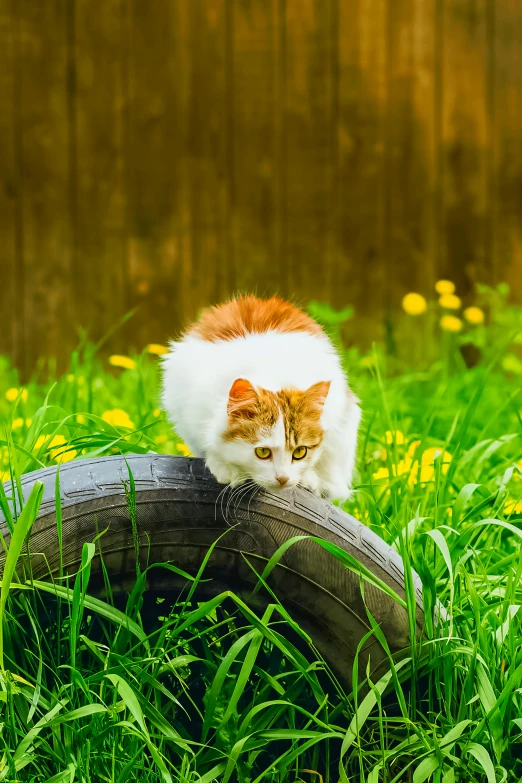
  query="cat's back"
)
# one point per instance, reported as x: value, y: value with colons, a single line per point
x: 269, y: 342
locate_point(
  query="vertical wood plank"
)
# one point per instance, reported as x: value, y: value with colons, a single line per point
x: 411, y: 231
x: 361, y: 266
x: 208, y: 274
x: 44, y: 63
x: 159, y: 231
x: 99, y: 145
x: 259, y: 264
x: 308, y: 145
x: 465, y: 139
x: 10, y: 293
x: 507, y: 107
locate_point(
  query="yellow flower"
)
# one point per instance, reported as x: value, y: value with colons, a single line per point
x: 414, y: 304
x: 396, y: 436
x: 428, y: 470
x: 18, y: 423
x: 444, y: 287
x: 122, y: 361
x: 382, y: 473
x: 81, y: 419
x: 450, y: 301
x: 5, y: 476
x: 12, y: 394
x: 118, y: 418
x: 450, y: 323
x: 513, y: 507
x: 28, y: 423
x: 54, y: 445
x: 70, y: 378
x: 183, y: 449
x: 162, y: 438
x: 156, y: 349
x: 474, y: 315
x: 156, y: 412
x: 57, y: 453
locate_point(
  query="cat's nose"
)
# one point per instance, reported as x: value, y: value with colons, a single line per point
x: 282, y: 480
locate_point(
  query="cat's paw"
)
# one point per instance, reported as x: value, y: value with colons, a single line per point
x: 223, y: 473
x: 335, y: 490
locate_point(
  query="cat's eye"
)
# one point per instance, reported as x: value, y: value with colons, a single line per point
x: 263, y: 453
x: 299, y: 452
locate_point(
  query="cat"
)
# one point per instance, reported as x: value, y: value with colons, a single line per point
x: 257, y: 389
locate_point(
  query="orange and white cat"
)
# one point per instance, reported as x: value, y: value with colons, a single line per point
x: 257, y: 389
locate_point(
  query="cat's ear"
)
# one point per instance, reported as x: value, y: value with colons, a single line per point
x: 242, y: 399
x: 316, y: 395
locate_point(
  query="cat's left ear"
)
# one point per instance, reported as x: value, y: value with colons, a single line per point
x: 242, y: 399
x: 316, y: 395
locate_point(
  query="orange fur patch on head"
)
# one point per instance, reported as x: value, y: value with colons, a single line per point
x: 300, y: 410
x: 250, y: 315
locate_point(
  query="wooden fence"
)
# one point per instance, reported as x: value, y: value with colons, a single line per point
x: 166, y: 153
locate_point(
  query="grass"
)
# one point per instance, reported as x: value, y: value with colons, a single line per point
x: 213, y: 691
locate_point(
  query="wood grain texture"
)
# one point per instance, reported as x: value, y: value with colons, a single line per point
x: 45, y: 148
x: 411, y: 216
x: 363, y: 60
x: 256, y: 168
x: 98, y: 142
x: 11, y: 300
x: 308, y: 144
x: 466, y: 134
x: 506, y: 108
x: 165, y: 158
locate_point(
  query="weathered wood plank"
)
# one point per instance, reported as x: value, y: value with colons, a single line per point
x: 506, y: 102
x: 100, y: 105
x: 361, y: 272
x: 11, y: 303
x: 309, y: 146
x: 259, y: 263
x: 465, y: 138
x: 411, y: 215
x: 207, y: 270
x: 159, y: 232
x: 47, y: 181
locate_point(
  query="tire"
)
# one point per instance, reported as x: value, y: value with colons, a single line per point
x: 182, y: 510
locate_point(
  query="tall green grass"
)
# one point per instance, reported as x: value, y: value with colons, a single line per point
x: 190, y: 690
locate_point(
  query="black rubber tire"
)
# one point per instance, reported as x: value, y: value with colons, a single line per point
x: 181, y: 510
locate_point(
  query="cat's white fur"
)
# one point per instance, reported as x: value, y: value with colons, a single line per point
x: 198, y: 376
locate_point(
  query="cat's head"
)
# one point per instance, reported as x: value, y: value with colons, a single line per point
x: 275, y: 437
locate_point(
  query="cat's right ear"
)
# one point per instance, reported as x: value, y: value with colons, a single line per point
x: 242, y: 400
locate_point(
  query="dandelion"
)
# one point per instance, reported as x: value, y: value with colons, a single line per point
x: 18, y: 423
x: 4, y: 476
x: 474, y: 315
x: 444, y: 287
x: 70, y: 378
x: 183, y: 449
x: 118, y: 418
x: 28, y: 423
x: 450, y: 301
x: 57, y: 453
x: 427, y: 464
x: 156, y: 349
x: 450, y: 323
x: 12, y: 394
x: 513, y: 507
x: 414, y: 304
x: 81, y: 419
x: 122, y: 361
x: 156, y: 412
x: 394, y: 437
